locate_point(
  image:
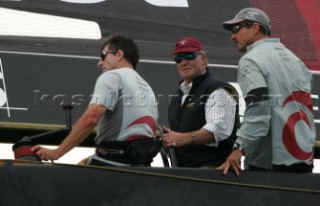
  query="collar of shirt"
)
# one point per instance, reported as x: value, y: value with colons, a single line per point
x: 261, y: 41
x: 185, y: 88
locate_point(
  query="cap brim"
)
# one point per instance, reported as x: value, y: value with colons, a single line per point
x: 228, y: 25
x: 185, y: 50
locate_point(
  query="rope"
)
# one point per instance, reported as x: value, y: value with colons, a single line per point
x: 178, y: 177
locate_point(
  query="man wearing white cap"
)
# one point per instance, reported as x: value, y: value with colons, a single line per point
x: 278, y: 131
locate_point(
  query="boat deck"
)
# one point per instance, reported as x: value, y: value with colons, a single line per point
x: 32, y: 183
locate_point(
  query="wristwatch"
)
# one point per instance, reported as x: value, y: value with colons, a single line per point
x: 237, y: 146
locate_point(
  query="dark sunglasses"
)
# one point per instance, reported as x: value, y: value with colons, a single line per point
x: 104, y: 54
x: 237, y: 27
x: 188, y: 56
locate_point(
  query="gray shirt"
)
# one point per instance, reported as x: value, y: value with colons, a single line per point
x: 279, y: 130
x: 132, y: 109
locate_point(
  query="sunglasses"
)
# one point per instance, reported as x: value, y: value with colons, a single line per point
x: 188, y: 56
x: 103, y: 55
x: 237, y: 27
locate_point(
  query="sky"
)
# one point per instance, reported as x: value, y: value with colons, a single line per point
x: 18, y: 23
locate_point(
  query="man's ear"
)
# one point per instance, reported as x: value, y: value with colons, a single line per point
x: 204, y: 59
x: 256, y: 28
x: 120, y: 54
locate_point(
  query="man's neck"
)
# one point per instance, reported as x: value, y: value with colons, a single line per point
x: 124, y: 64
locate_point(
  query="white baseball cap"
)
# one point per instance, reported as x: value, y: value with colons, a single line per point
x: 249, y: 14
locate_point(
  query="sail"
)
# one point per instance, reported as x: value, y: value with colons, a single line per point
x: 157, y: 24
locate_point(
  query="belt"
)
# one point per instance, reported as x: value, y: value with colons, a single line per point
x: 136, y: 152
x: 121, y: 145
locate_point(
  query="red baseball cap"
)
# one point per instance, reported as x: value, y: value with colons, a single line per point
x: 187, y: 44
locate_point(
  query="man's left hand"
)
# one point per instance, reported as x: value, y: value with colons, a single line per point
x: 234, y: 161
x: 46, y: 154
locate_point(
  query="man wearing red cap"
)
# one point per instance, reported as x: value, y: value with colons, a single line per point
x: 203, y: 113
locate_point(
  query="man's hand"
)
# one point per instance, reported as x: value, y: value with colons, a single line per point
x: 174, y: 139
x: 84, y: 161
x: 234, y: 161
x: 46, y: 154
